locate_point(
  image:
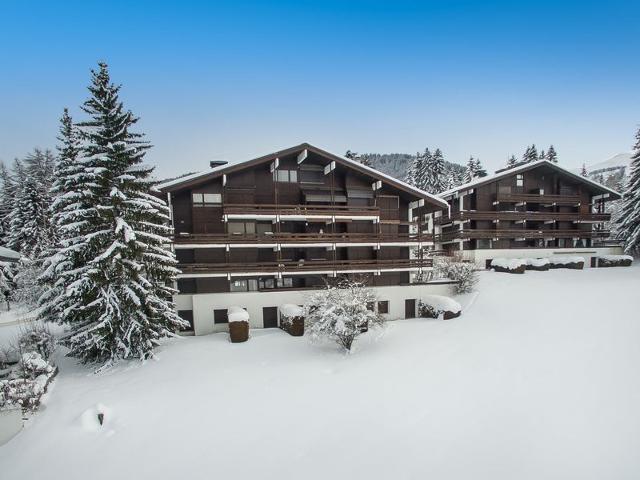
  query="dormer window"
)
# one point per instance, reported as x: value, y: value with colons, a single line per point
x: 206, y: 199
x: 285, y: 176
x: 519, y: 180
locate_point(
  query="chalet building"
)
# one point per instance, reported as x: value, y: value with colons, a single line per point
x: 536, y: 209
x: 260, y: 233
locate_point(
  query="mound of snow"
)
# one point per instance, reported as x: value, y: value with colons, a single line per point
x: 90, y: 418
x: 237, y: 314
x: 616, y: 258
x: 565, y: 260
x: 509, y: 263
x: 442, y: 304
x: 291, y: 310
x: 537, y: 262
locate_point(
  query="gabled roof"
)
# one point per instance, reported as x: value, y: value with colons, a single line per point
x: 526, y: 167
x: 199, y: 178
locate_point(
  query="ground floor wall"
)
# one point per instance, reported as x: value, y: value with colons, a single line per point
x: 202, y: 307
x: 481, y: 256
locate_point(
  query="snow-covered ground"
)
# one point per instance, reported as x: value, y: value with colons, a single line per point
x: 537, y: 380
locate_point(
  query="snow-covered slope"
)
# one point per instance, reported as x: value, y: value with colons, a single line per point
x: 519, y: 387
x: 617, y: 162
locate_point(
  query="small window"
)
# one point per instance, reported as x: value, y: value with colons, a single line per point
x: 188, y: 316
x: 286, y: 282
x: 383, y: 306
x: 237, y: 228
x: 519, y: 180
x: 220, y: 316
x: 238, y: 286
x: 206, y: 199
x: 252, y: 285
x: 286, y: 176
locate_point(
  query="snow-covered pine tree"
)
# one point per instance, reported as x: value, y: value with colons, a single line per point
x: 422, y: 167
x: 363, y: 159
x: 120, y: 306
x: 416, y: 171
x: 433, y: 180
x: 480, y: 171
x: 542, y: 155
x: 530, y: 154
x: 470, y: 172
x: 583, y: 171
x: 61, y: 265
x: 15, y: 218
x: 6, y: 202
x: 552, y: 156
x: 511, y: 162
x: 629, y: 219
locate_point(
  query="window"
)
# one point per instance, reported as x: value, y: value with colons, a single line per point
x: 188, y: 316
x: 519, y: 180
x: 289, y: 176
x: 220, y: 316
x: 206, y: 199
x: 250, y: 285
x: 311, y: 174
x: 269, y: 283
x: 383, y: 306
x: 241, y: 228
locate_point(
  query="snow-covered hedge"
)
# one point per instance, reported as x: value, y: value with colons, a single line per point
x: 615, y: 261
x: 292, y: 319
x: 290, y: 311
x: 433, y: 306
x: 540, y: 264
x: 509, y: 265
x: 237, y: 314
x: 576, y: 263
x: 463, y: 273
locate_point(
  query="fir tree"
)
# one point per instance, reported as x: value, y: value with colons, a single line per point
x: 433, y: 176
x: 415, y: 172
x: 470, y: 172
x: 584, y: 172
x: 511, y: 162
x: 530, y: 154
x: 552, y: 156
x: 363, y: 159
x: 542, y: 155
x: 118, y: 302
x: 6, y: 202
x: 629, y: 219
x: 479, y: 169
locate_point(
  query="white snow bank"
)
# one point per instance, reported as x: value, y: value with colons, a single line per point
x: 291, y: 310
x: 237, y: 314
x: 616, y: 258
x: 565, y: 260
x: 90, y: 418
x: 442, y: 304
x: 537, y: 262
x: 508, y: 263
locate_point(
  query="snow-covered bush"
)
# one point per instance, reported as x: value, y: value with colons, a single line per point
x: 289, y: 312
x: 540, y: 264
x: 7, y: 284
x: 432, y: 306
x: 26, y: 381
x: 27, y: 288
x: 576, y: 263
x: 341, y: 313
x: 462, y: 272
x: 509, y: 265
x: 615, y: 261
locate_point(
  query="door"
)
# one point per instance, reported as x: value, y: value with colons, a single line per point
x: 270, y: 317
x: 410, y: 308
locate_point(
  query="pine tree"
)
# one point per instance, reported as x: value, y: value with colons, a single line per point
x: 552, y: 156
x: 511, y: 162
x: 119, y: 303
x: 542, y: 155
x: 415, y: 172
x: 479, y: 169
x: 629, y: 223
x: 530, y: 154
x: 433, y: 176
x: 17, y: 215
x: 363, y: 159
x: 470, y: 172
x: 6, y: 202
x: 584, y: 172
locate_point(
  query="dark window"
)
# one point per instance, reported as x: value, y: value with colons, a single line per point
x: 383, y: 306
x: 311, y: 174
x: 188, y: 316
x: 187, y: 285
x: 241, y: 228
x: 220, y: 316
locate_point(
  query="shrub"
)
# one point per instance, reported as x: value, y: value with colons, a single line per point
x: 463, y: 273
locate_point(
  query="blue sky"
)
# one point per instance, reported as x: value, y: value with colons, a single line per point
x: 232, y: 80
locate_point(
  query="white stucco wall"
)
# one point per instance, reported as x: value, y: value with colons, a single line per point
x: 204, y: 304
x: 481, y: 256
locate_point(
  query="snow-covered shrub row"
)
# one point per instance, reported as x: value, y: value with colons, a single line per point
x: 290, y: 311
x: 566, y: 262
x: 615, y: 261
x: 509, y: 265
x: 237, y: 314
x: 540, y: 264
x: 341, y: 313
x: 433, y: 306
x: 26, y: 381
x: 463, y: 273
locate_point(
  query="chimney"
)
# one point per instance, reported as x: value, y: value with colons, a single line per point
x: 217, y: 163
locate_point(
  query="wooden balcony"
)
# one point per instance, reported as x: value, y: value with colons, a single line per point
x: 537, y: 198
x: 292, y: 267
x: 521, y: 233
x: 304, y: 211
x: 529, y: 216
x: 284, y: 238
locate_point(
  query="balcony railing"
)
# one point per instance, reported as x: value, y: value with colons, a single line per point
x: 305, y: 266
x: 295, y: 238
x: 301, y: 210
x: 531, y: 216
x: 538, y: 198
x: 522, y: 233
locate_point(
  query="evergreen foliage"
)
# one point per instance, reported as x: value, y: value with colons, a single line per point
x: 552, y: 156
x: 511, y: 162
x: 629, y: 219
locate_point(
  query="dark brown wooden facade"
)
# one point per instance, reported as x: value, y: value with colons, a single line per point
x: 539, y: 205
x: 293, y: 219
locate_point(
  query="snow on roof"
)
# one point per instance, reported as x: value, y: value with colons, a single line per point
x: 376, y: 173
x: 521, y: 168
x: 8, y: 253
